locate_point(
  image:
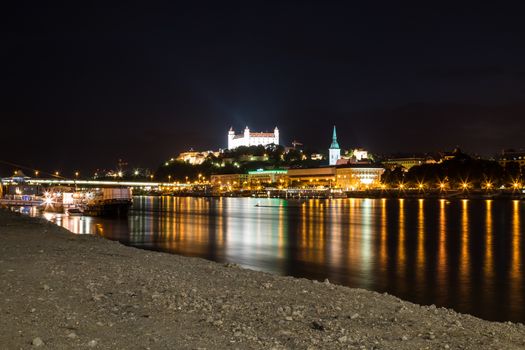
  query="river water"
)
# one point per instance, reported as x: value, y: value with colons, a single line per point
x: 464, y: 254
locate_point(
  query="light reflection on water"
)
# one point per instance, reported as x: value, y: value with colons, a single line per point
x: 464, y: 254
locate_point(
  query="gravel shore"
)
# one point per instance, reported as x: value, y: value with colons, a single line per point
x: 63, y: 291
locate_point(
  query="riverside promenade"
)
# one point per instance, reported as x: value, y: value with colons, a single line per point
x: 64, y: 291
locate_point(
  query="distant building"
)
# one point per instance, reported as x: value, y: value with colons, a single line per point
x: 405, y: 163
x: 229, y: 181
x: 360, y: 154
x: 347, y: 177
x: 334, y: 150
x: 255, y: 178
x: 359, y: 176
x: 324, y: 176
x: 357, y: 155
x: 316, y: 156
x: 248, y: 138
x: 195, y: 157
x: 268, y: 176
x: 510, y: 155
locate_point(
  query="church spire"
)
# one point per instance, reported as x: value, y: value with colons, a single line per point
x: 335, y: 144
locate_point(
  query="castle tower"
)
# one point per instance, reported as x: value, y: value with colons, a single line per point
x: 246, y: 136
x: 334, y: 150
x: 231, y: 135
x: 276, y: 136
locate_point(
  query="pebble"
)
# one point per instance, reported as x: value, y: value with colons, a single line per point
x: 318, y: 325
x: 72, y: 335
x: 92, y: 343
x: 342, y: 339
x: 37, y: 342
x: 266, y: 285
x: 46, y: 287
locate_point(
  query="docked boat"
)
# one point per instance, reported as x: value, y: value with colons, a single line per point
x: 114, y: 202
x: 74, y: 211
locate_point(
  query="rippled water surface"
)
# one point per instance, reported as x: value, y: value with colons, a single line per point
x: 463, y: 254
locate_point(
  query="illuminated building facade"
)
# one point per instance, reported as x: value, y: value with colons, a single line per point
x: 359, y: 177
x: 248, y: 138
x: 253, y: 178
x: 349, y: 178
x: 268, y: 176
x: 360, y: 154
x: 229, y: 181
x: 194, y: 158
x: 324, y: 176
x: 406, y: 163
x: 334, y: 151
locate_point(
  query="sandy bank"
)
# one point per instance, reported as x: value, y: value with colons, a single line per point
x: 60, y: 291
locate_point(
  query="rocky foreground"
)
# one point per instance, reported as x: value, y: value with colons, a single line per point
x: 62, y: 291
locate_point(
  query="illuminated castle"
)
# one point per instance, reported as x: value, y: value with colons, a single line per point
x: 249, y: 138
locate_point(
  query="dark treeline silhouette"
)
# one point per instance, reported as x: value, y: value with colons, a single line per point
x: 461, y: 170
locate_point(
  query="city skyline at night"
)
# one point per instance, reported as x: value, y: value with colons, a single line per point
x: 85, y: 86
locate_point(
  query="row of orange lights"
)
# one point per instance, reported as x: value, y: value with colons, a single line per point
x: 464, y: 185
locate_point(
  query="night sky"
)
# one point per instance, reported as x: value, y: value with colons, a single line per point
x: 85, y: 85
